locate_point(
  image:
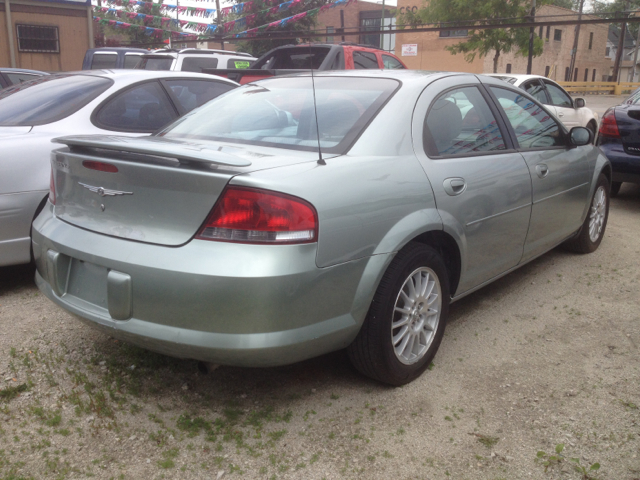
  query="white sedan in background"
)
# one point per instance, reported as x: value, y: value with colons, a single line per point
x: 573, y: 112
x: 122, y: 102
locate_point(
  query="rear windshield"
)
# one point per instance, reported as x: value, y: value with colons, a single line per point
x: 155, y: 63
x: 49, y: 98
x: 280, y: 113
x: 296, y: 58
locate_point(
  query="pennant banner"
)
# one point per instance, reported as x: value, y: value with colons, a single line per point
x: 158, y: 33
x: 292, y: 19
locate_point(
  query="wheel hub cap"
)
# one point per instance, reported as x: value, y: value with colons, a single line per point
x: 416, y: 315
x: 597, y: 214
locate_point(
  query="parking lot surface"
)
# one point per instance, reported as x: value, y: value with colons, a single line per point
x: 544, y: 360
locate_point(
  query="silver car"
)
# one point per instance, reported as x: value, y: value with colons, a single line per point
x: 98, y: 101
x: 248, y: 233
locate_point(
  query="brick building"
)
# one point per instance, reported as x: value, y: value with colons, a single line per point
x: 49, y: 35
x: 359, y: 15
x: 554, y: 62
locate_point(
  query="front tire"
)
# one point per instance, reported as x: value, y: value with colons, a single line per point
x: 592, y: 230
x: 406, y: 320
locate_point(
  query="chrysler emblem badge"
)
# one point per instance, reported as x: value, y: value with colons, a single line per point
x: 104, y: 192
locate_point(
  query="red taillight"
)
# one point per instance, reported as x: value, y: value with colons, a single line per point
x: 249, y: 215
x: 52, y: 190
x: 609, y: 126
x: 100, y: 166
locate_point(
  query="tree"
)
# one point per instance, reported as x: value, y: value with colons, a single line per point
x: 570, y: 4
x: 263, y: 16
x: 111, y: 35
x: 479, y: 42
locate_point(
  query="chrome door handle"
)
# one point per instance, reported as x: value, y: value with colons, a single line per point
x: 454, y: 186
x: 560, y: 114
x: 542, y: 170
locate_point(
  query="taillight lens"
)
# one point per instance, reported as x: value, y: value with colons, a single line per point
x: 52, y: 190
x: 609, y: 126
x: 250, y: 215
x: 100, y: 166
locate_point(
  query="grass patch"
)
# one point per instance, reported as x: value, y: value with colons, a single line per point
x: 10, y: 393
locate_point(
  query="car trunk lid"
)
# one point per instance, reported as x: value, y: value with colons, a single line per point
x: 149, y: 189
x: 628, y: 120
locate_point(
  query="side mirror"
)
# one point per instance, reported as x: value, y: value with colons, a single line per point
x: 579, y: 136
x: 579, y: 103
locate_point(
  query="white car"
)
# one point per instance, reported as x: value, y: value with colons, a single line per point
x: 570, y: 111
x: 194, y: 60
x: 121, y: 102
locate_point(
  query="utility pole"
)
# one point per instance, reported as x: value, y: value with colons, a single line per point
x: 219, y: 23
x: 531, y: 34
x: 635, y: 58
x: 382, y: 27
x: 620, y: 51
x: 574, y: 52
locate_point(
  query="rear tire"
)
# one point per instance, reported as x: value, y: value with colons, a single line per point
x: 593, y: 228
x: 615, y: 188
x: 406, y: 320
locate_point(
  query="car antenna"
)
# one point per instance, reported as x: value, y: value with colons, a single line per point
x: 315, y: 108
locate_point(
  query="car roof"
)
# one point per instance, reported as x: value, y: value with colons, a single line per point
x: 118, y: 49
x: 197, y: 51
x: 519, y: 77
x: 134, y: 74
x: 22, y: 70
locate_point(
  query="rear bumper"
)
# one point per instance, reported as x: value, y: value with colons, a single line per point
x: 244, y: 305
x: 625, y: 167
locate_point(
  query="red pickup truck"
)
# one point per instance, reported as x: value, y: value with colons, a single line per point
x: 294, y: 58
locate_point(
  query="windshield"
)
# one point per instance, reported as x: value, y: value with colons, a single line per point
x: 295, y: 58
x: 155, y: 63
x: 49, y: 99
x: 280, y: 112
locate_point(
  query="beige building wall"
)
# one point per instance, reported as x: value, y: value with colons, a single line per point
x: 556, y: 54
x: 73, y: 32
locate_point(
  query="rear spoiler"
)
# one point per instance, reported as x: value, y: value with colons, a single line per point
x: 158, y: 146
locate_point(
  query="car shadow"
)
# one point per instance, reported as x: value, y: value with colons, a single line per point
x: 628, y: 198
x: 16, y: 278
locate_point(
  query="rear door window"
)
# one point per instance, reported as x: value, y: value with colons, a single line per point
x: 536, y: 90
x: 131, y: 60
x: 155, y: 63
x: 365, y: 60
x: 142, y: 108
x: 391, y: 62
x: 534, y: 128
x: 102, y: 61
x: 461, y: 122
x: 559, y: 97
x: 189, y: 94
x: 16, y: 78
x: 196, y: 64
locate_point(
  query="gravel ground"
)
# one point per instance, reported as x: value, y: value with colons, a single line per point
x: 544, y: 360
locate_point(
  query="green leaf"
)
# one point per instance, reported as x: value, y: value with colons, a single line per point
x: 577, y: 460
x: 541, y: 454
x: 559, y: 448
x: 595, y: 466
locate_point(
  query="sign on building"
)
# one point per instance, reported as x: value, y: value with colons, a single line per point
x: 410, y: 50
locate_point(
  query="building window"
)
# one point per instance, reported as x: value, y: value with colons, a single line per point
x: 590, y: 40
x: 540, y: 31
x: 454, y: 33
x: 607, y: 51
x: 557, y: 35
x: 36, y: 38
x: 567, y: 74
x: 593, y: 77
x: 575, y: 75
x: 330, y: 30
x: 547, y: 69
x: 508, y: 68
x: 586, y: 74
x: 547, y: 35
